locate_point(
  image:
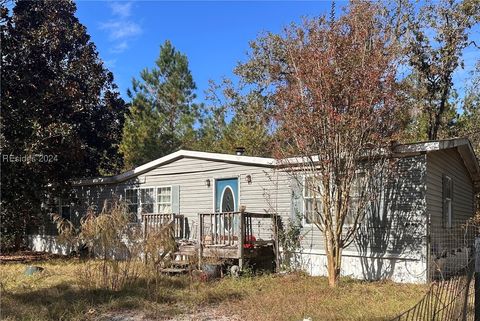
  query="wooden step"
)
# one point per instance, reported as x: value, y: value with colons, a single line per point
x: 190, y: 247
x: 173, y: 271
x: 186, y: 252
x: 180, y: 263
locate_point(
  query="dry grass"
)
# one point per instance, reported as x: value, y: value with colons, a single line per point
x: 57, y: 294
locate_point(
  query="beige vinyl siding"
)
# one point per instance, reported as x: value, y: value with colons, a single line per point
x: 269, y: 191
x: 395, y: 225
x: 440, y: 163
x: 448, y: 162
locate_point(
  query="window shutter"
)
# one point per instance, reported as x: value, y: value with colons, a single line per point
x: 176, y: 199
x: 444, y: 202
x: 447, y: 193
x: 297, y: 200
x: 452, y: 213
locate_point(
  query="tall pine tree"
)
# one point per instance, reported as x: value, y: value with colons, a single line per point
x: 238, y: 117
x: 163, y: 113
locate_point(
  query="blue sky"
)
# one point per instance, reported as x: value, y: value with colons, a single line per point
x: 214, y: 34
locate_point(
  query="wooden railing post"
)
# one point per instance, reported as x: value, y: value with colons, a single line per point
x: 230, y: 228
x: 241, y: 239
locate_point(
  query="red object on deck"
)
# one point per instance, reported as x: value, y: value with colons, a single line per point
x: 248, y: 242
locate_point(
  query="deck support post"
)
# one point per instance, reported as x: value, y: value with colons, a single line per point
x: 241, y: 239
x: 200, y: 240
x: 276, y: 246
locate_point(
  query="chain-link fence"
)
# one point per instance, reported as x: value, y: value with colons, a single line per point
x: 450, y: 250
x: 451, y: 294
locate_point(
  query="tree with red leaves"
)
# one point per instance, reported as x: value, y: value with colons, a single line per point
x: 333, y: 88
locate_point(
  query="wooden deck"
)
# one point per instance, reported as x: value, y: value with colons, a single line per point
x: 231, y: 235
x: 234, y: 236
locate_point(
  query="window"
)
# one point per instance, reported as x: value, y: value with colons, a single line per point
x: 65, y: 211
x: 62, y: 208
x: 147, y: 200
x: 447, y: 192
x: 356, y: 193
x: 313, y: 204
x: 164, y: 200
x: 131, y: 197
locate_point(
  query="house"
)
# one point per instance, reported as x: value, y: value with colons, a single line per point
x: 405, y: 237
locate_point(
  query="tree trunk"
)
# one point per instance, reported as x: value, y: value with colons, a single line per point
x: 433, y: 131
x: 334, y: 262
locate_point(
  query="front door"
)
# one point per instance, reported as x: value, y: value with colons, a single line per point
x: 226, y: 195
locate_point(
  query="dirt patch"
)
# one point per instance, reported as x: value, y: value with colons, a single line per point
x: 28, y: 256
x: 203, y: 314
x: 123, y: 316
x: 206, y: 314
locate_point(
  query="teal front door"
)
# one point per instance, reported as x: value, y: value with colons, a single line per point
x: 226, y: 195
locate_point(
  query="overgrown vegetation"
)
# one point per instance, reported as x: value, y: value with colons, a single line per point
x: 289, y: 238
x: 123, y: 250
x: 58, y: 293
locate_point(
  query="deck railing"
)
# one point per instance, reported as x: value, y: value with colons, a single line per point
x: 233, y: 230
x: 156, y: 221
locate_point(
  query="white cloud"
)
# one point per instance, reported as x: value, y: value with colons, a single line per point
x: 119, y: 47
x: 121, y: 28
x: 121, y: 9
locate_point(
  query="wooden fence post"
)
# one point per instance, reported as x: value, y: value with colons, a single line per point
x: 477, y: 279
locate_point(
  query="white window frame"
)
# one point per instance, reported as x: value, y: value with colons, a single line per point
x: 155, y: 198
x: 157, y: 202
x: 357, y: 173
x: 140, y: 203
x: 138, y: 200
x: 305, y: 199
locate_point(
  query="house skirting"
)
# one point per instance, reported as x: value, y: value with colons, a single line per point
x: 397, y: 269
x: 47, y: 243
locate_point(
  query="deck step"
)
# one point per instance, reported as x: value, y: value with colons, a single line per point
x: 185, y: 253
x: 180, y: 263
x: 173, y: 271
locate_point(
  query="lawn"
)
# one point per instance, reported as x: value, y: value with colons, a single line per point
x: 60, y: 293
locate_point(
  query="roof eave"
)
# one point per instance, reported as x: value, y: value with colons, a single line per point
x: 463, y: 146
x: 248, y: 160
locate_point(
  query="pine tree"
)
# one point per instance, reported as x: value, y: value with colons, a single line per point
x: 238, y: 117
x: 162, y: 113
